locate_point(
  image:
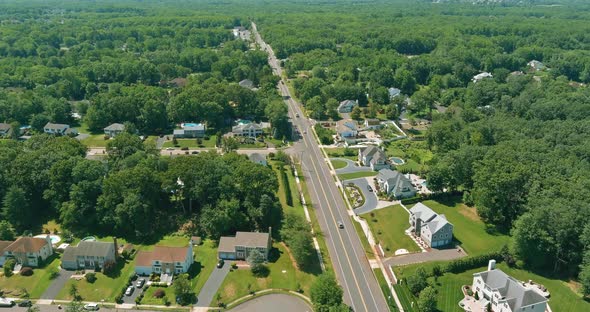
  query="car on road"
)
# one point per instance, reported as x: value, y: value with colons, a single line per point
x: 304, y: 131
x: 340, y: 225
x: 194, y: 152
x: 91, y: 307
x: 129, y: 291
x: 220, y: 263
x: 297, y: 115
x: 169, y: 148
x: 25, y: 303
x: 369, y: 188
x: 139, y: 283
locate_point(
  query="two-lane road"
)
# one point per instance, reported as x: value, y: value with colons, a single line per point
x: 361, y: 290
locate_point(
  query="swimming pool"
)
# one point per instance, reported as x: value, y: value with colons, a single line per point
x: 189, y: 124
x: 397, y: 161
x: 54, y: 238
x: 89, y: 239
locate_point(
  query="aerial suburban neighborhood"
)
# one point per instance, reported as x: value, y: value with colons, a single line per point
x: 403, y: 155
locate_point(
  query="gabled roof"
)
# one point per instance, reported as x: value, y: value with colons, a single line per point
x: 394, y: 92
x: 430, y: 219
x: 27, y: 244
x: 163, y: 254
x: 55, y: 126
x: 247, y: 83
x: 345, y: 125
x: 372, y: 121
x: 88, y: 249
x: 370, y: 151
x: 4, y: 127
x: 511, y: 290
x: 252, y: 239
x: 395, y: 179
x: 227, y: 244
x: 248, y: 126
x: 197, y: 127
x: 3, y: 245
x: 379, y: 156
x: 115, y: 127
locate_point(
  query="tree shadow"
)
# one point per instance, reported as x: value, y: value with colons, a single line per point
x: 195, y: 269
x: 116, y: 272
x: 274, y: 254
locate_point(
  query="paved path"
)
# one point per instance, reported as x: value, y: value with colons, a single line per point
x: 57, y: 284
x: 212, y: 285
x: 274, y: 302
x: 432, y: 255
x: 351, y: 166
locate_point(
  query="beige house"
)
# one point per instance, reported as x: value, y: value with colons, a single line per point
x: 27, y: 251
x: 240, y: 246
x: 88, y: 255
x: 164, y: 260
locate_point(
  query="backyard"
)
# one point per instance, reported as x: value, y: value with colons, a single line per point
x: 388, y: 226
x: 468, y: 229
x: 34, y: 285
x: 415, y: 154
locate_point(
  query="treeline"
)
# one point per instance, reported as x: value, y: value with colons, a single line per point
x: 135, y: 194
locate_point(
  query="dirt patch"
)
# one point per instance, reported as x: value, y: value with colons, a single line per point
x: 574, y: 286
x: 230, y: 290
x: 469, y: 212
x: 293, y: 262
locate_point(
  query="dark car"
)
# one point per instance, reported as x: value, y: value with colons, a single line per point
x: 340, y: 225
x: 220, y: 263
x: 369, y: 188
x: 25, y: 303
x: 194, y: 152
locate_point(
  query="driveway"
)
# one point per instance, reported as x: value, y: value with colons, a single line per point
x: 212, y: 285
x: 351, y: 166
x: 136, y: 292
x: 371, y: 200
x: 57, y: 284
x: 274, y: 302
x: 432, y: 255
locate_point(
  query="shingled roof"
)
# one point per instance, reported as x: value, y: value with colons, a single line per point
x: 26, y: 244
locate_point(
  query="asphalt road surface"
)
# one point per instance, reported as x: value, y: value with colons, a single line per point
x: 270, y: 303
x: 361, y: 290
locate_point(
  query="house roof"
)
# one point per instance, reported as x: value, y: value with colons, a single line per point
x: 257, y: 158
x: 248, y: 126
x: 4, y: 127
x: 370, y: 151
x: 481, y: 76
x: 378, y: 156
x: 143, y: 258
x: 429, y: 218
x: 69, y: 254
x: 161, y: 253
x: 516, y: 295
x: 53, y: 126
x: 227, y: 244
x: 345, y: 125
x: 115, y: 127
x: 3, y: 245
x: 394, y: 92
x: 27, y: 244
x: 395, y: 179
x: 347, y: 102
x: 178, y: 131
x: 252, y: 239
x: 93, y: 249
x: 195, y: 128
x: 179, y: 82
x: 247, y: 83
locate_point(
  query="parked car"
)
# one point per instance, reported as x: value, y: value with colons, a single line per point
x: 369, y: 188
x: 139, y: 283
x: 220, y: 263
x: 25, y: 303
x: 340, y: 225
x: 169, y: 148
x: 129, y: 291
x: 194, y: 152
x: 91, y: 307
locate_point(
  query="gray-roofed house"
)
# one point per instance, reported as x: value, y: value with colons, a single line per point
x: 393, y: 92
x: 4, y: 129
x: 373, y: 157
x: 506, y: 294
x: 346, y: 106
x: 114, y: 129
x: 58, y: 129
x: 250, y: 130
x: 346, y: 128
x: 247, y: 83
x: 89, y: 255
x: 258, y: 159
x: 395, y: 184
x: 192, y: 131
x: 240, y: 246
x: 433, y: 228
x: 536, y: 65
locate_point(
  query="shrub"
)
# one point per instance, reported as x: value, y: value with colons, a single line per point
x: 464, y: 264
x: 138, y: 300
x: 159, y: 293
x: 53, y: 273
x: 90, y: 277
x: 26, y: 271
x: 108, y: 267
x: 184, y: 148
x: 8, y: 267
x: 206, y: 138
x: 411, y: 200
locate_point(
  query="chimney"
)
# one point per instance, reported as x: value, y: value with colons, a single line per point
x: 492, y: 265
x: 116, y: 247
x: 418, y: 227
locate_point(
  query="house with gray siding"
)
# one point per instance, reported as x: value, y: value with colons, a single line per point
x: 240, y: 246
x: 89, y: 255
x: 395, y: 184
x: 114, y: 129
x: 433, y: 228
x: 373, y: 157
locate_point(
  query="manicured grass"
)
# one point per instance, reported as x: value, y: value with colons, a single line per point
x: 192, y: 143
x: 406, y: 298
x: 338, y: 152
x: 355, y: 175
x: 338, y: 164
x: 104, y: 287
x: 282, y: 275
x: 35, y: 284
x: 148, y: 297
x: 385, y: 289
x: 469, y: 230
x: 388, y: 226
x: 415, y: 154
x: 205, y: 260
x: 366, y: 246
x: 95, y: 140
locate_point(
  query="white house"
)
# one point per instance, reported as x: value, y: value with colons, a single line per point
x: 536, y: 65
x: 346, y: 128
x: 250, y: 130
x: 481, y: 76
x: 164, y: 260
x: 504, y: 293
x: 395, y: 184
x: 27, y: 251
x: 393, y: 92
x: 240, y: 246
x: 346, y: 106
x: 373, y: 157
x: 433, y: 228
x: 58, y: 129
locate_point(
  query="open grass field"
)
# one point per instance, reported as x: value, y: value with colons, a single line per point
x: 388, y: 226
x: 355, y: 175
x: 338, y: 164
x: 35, y: 285
x: 283, y: 274
x: 469, y: 230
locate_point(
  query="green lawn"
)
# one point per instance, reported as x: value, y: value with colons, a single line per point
x: 95, y: 140
x: 385, y: 289
x: 205, y: 261
x: 35, y: 284
x: 415, y: 154
x: 283, y: 274
x: 406, y: 298
x: 192, y: 143
x: 340, y: 151
x: 364, y: 241
x: 338, y: 164
x: 148, y: 297
x: 388, y: 226
x: 355, y: 175
x: 104, y: 287
x: 468, y: 230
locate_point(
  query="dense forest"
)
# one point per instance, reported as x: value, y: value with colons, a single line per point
x: 515, y: 145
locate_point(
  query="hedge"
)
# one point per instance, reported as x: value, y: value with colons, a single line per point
x: 464, y: 264
x: 286, y: 186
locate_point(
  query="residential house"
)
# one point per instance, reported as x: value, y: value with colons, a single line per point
x: 258, y: 159
x: 59, y: 129
x: 114, y: 129
x: 3, y: 245
x: 164, y: 260
x: 250, y: 130
x: 240, y: 246
x: 372, y: 124
x: 4, y: 129
x: 393, y: 92
x: 536, y: 65
x: 89, y: 255
x: 373, y: 157
x: 190, y: 131
x: 346, y: 106
x: 395, y: 184
x: 346, y: 128
x: 27, y: 251
x: 433, y: 228
x: 247, y: 83
x: 506, y: 294
x: 482, y: 76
